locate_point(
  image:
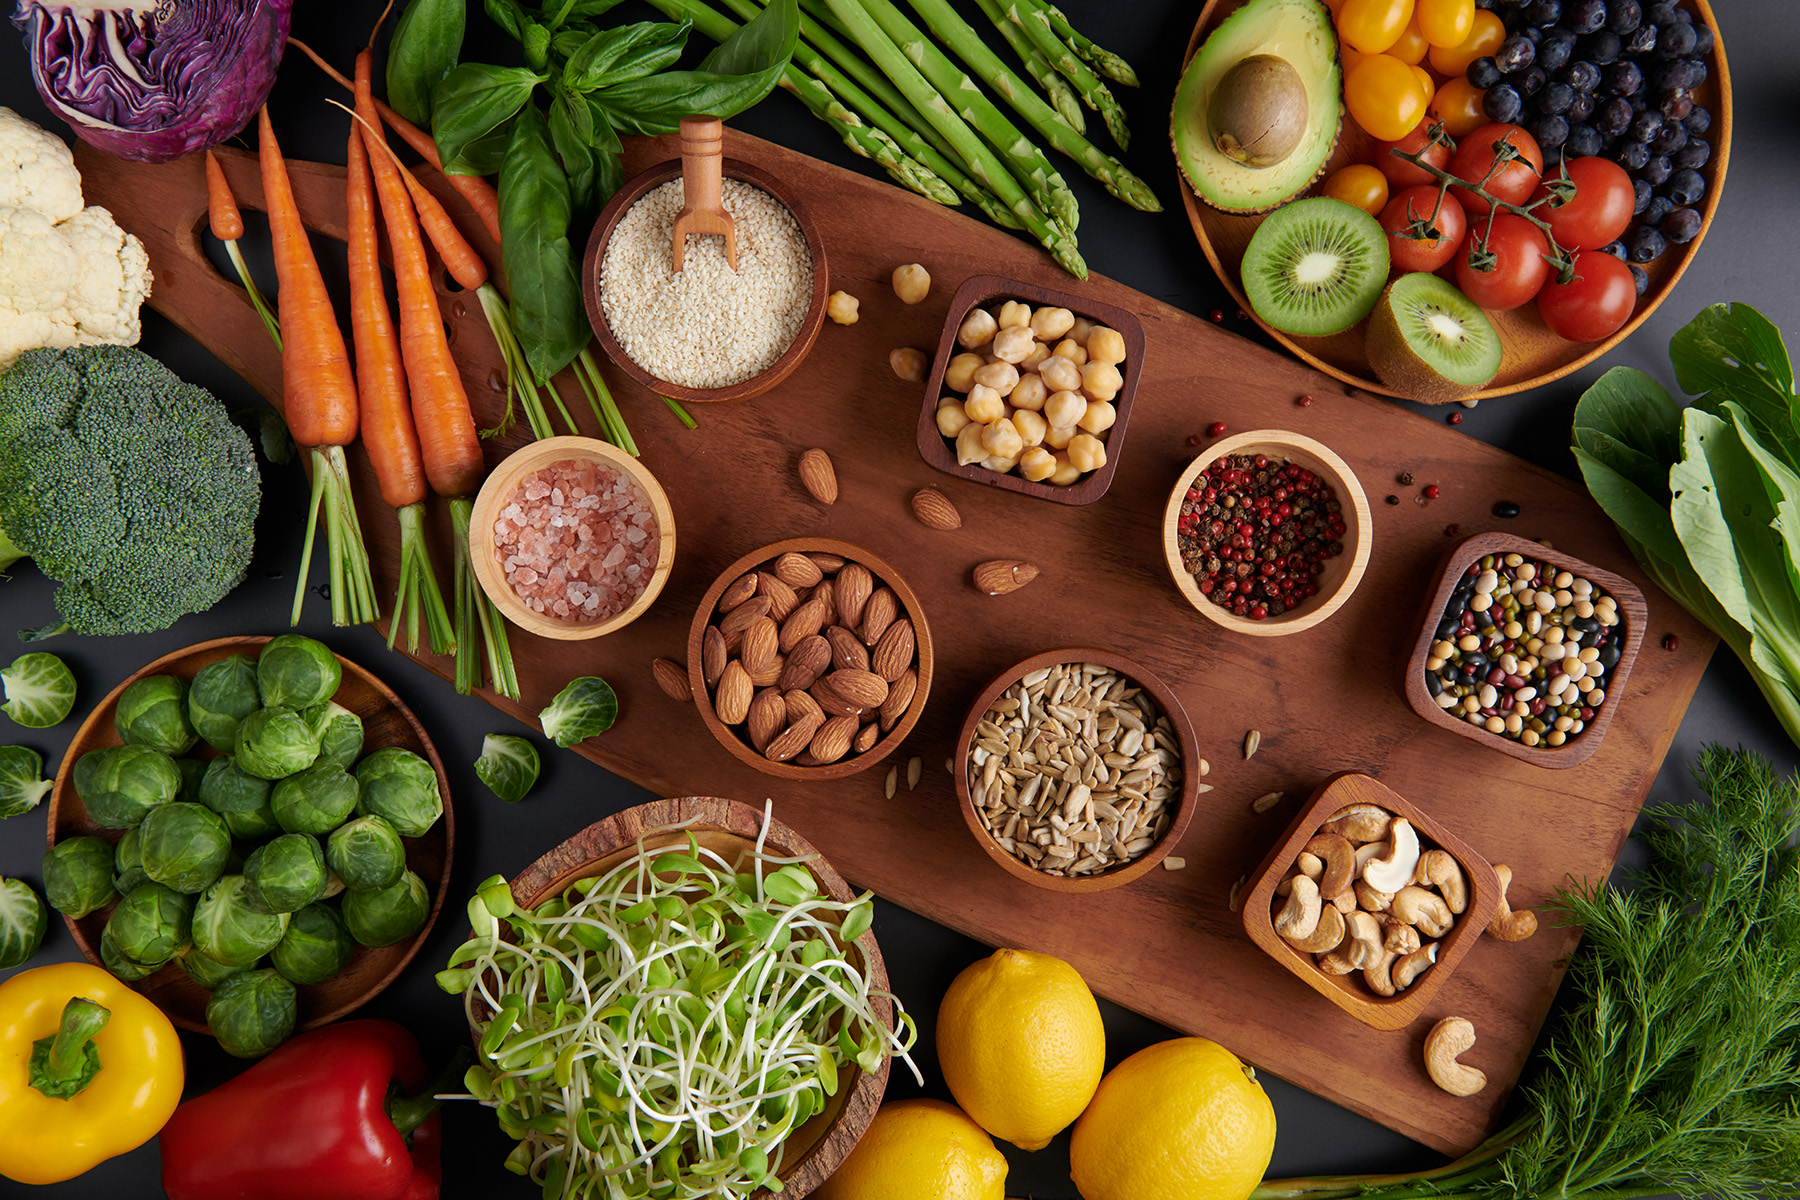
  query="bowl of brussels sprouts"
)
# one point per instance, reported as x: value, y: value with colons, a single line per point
x: 255, y: 833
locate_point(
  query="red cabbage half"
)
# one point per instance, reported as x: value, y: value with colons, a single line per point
x: 153, y: 80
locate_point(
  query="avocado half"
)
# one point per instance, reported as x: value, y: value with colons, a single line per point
x: 1298, y: 31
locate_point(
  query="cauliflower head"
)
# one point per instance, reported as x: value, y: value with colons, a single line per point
x: 36, y: 169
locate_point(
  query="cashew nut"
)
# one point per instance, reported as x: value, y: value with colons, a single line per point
x: 1393, y: 870
x: 1326, y: 937
x: 1360, y: 949
x: 1366, y: 854
x: 1306, y: 864
x: 1344, y: 902
x: 1447, y: 1039
x: 1299, y: 917
x: 1508, y: 925
x: 1371, y: 899
x: 1397, y: 937
x: 1359, y: 823
x: 1339, y: 858
x: 1441, y: 870
x: 1411, y: 966
x: 1379, y: 975
x: 1427, y: 910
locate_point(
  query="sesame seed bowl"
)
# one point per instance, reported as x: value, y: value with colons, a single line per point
x: 645, y: 319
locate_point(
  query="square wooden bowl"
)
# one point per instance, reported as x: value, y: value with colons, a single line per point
x: 1633, y: 614
x: 939, y: 452
x: 1348, y: 992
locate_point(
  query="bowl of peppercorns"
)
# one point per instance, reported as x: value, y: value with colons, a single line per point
x: 1267, y: 532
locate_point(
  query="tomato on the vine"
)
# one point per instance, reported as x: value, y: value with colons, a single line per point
x: 1361, y: 185
x: 1513, y: 182
x: 1597, y: 213
x: 1373, y: 25
x: 1415, y: 204
x: 1401, y: 173
x: 1518, y: 267
x: 1445, y: 22
x: 1384, y: 96
x: 1485, y: 35
x: 1458, y: 105
x: 1594, y: 304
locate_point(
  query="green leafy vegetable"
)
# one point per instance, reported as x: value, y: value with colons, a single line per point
x: 274, y: 743
x: 241, y: 798
x: 340, y: 734
x: 22, y: 786
x: 39, y: 690
x: 286, y: 874
x: 427, y: 40
x: 508, y: 765
x: 315, y: 801
x: 23, y: 920
x: 585, y: 708
x: 535, y: 210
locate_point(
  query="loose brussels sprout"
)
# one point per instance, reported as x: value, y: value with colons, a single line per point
x: 152, y: 923
x: 340, y: 733
x: 22, y: 782
x: 584, y: 709
x: 120, y: 964
x: 23, y: 920
x: 252, y: 1012
x: 153, y: 712
x: 78, y: 875
x: 285, y: 875
x: 317, y: 800
x: 274, y: 743
x: 128, y: 863
x: 222, y: 695
x: 295, y: 671
x: 316, y: 946
x: 401, y: 786
x: 126, y: 784
x: 389, y: 914
x: 39, y: 689
x: 242, y: 799
x: 508, y: 765
x: 366, y: 853
x: 204, y: 971
x: 230, y: 932
x: 184, y: 846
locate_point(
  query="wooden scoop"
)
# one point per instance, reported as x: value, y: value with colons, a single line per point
x: 702, y: 210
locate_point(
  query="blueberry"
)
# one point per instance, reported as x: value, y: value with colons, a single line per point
x: 1554, y: 49
x: 1530, y: 81
x: 1676, y: 105
x: 1585, y: 16
x: 1515, y: 54
x: 1640, y: 192
x: 1533, y: 33
x: 1646, y: 125
x: 1550, y: 132
x: 1641, y: 40
x: 1632, y: 155
x: 1640, y: 277
x: 1645, y: 244
x: 1583, y: 141
x: 1581, y: 107
x: 1657, y: 170
x: 1686, y: 187
x: 1623, y: 78
x: 1602, y: 47
x: 1625, y: 16
x: 1614, y: 248
x: 1484, y: 72
x: 1663, y: 13
x: 1543, y: 12
x: 1556, y: 98
x: 1582, y: 75
x: 1681, y: 226
x: 1698, y: 121
x: 1679, y: 39
x: 1486, y: 5
x: 1613, y: 117
x: 1671, y: 138
x: 1503, y: 103
x: 1703, y: 39
x: 1677, y: 76
x: 1694, y: 154
x: 1658, y: 208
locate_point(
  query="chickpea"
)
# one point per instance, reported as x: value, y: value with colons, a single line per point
x: 1072, y: 350
x: 959, y: 372
x: 908, y: 363
x: 1002, y: 438
x: 912, y: 283
x: 950, y: 416
x: 1001, y: 463
x: 1087, y: 452
x: 968, y: 444
x: 1014, y: 315
x: 984, y: 404
x: 1037, y: 464
x: 1049, y: 324
x: 1059, y: 374
x: 1035, y: 359
x: 1066, y: 471
x: 1099, y: 417
x: 841, y: 307
x: 1013, y: 343
x: 1058, y: 437
x: 1065, y: 407
x: 1031, y: 426
x: 1001, y: 376
x: 1105, y: 345
x: 1080, y: 328
x: 1029, y: 392
x: 1101, y: 381
x: 977, y: 329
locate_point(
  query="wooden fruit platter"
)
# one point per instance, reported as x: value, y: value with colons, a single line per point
x: 1324, y: 701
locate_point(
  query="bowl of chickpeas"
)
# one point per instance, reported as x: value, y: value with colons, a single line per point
x: 1031, y: 390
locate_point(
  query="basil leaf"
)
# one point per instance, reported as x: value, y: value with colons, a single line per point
x: 1733, y: 350
x: 427, y: 42
x: 473, y: 102
x: 571, y: 128
x: 535, y: 209
x: 537, y: 46
x: 628, y: 52
x: 508, y: 15
x: 588, y: 9
x: 766, y: 40
x: 655, y: 104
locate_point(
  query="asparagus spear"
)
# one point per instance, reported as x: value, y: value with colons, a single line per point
x: 1062, y: 96
x: 1036, y: 25
x: 1103, y: 60
x: 869, y: 142
x: 956, y: 33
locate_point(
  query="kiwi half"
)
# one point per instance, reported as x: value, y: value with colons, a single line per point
x: 1429, y: 342
x: 1315, y: 267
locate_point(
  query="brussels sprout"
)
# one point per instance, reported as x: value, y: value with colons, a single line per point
x: 204, y: 971
x: 121, y: 965
x: 192, y: 770
x: 39, y: 690
x: 78, y: 875
x: 153, y: 712
x: 251, y: 1013
x: 23, y: 920
x: 366, y: 853
x: 230, y: 932
x: 316, y: 946
x: 295, y: 671
x: 22, y: 785
x: 340, y: 733
x: 127, y: 783
x: 285, y: 875
x: 401, y: 786
x: 184, y: 846
x: 581, y: 710
x: 389, y: 914
x: 222, y: 695
x: 128, y: 863
x: 152, y: 923
x: 276, y: 742
x: 243, y: 800
x: 317, y: 800
x: 508, y: 765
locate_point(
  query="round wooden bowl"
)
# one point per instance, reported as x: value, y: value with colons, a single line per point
x: 730, y: 829
x: 850, y: 764
x: 1533, y: 355
x: 756, y: 385
x: 386, y: 722
x: 1342, y: 573
x: 1185, y: 803
x: 493, y: 496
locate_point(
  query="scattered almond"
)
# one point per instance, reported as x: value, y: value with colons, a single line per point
x: 934, y: 509
x: 831, y: 702
x: 744, y: 615
x: 850, y: 591
x: 672, y: 678
x: 801, y: 704
x: 738, y: 592
x: 827, y: 562
x: 817, y: 476
x: 999, y: 576
x: 801, y: 624
x: 899, y: 698
x: 769, y: 674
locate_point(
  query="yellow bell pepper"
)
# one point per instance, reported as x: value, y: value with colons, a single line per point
x: 71, y: 1029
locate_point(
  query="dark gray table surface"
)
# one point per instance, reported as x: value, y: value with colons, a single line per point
x: 1748, y: 255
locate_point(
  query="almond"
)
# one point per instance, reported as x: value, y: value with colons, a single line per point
x: 1002, y: 575
x: 851, y: 591
x: 824, y: 594
x: 712, y: 655
x: 759, y: 645
x: 827, y: 562
x: 794, y: 738
x: 899, y: 698
x: 832, y: 741
x: 859, y: 687
x: 878, y: 613
x: 805, y: 663
x: 732, y: 700
x: 770, y: 674
x: 934, y: 509
x: 846, y: 651
x: 740, y: 590
x: 894, y: 652
x: 767, y: 716
x: 830, y: 702
x: 797, y: 570
x: 801, y: 624
x: 805, y: 759
x: 866, y: 737
x: 782, y: 599
x: 672, y: 678
x: 799, y: 704
x: 817, y: 477
x: 740, y: 618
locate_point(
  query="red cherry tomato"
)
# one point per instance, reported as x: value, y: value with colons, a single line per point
x: 1599, y: 210
x: 1415, y: 204
x: 1518, y: 269
x: 1512, y: 182
x: 1594, y: 304
x: 1403, y: 174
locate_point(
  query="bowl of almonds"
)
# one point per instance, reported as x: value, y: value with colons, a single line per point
x: 810, y: 659
x: 1075, y: 770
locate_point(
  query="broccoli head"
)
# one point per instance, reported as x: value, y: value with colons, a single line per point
x: 129, y: 487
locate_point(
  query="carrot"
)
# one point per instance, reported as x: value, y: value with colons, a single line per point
x: 227, y: 225
x: 461, y: 259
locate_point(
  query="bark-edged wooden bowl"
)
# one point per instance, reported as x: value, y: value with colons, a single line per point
x: 1349, y: 992
x: 731, y: 829
x: 492, y: 499
x: 386, y: 722
x: 1186, y: 799
x: 775, y: 372
x: 1342, y: 573
x: 1634, y: 613
x: 939, y: 452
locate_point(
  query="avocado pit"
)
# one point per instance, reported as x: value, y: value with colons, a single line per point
x: 1258, y: 114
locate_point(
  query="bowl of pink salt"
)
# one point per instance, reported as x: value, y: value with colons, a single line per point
x: 572, y: 538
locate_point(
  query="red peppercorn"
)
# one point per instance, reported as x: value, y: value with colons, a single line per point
x: 1242, y: 315
x: 1671, y: 642
x: 1452, y: 530
x: 1216, y: 315
x: 1431, y: 491
x: 1194, y: 439
x: 1304, y: 402
x: 1216, y: 429
x: 1454, y: 418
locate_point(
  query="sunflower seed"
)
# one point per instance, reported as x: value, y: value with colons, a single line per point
x: 1266, y: 801
x: 1252, y: 740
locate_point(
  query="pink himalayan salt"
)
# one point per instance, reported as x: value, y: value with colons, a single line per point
x: 578, y: 541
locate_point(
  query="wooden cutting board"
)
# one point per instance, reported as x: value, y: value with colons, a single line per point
x: 1325, y: 701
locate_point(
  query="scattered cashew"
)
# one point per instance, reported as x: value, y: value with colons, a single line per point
x: 1359, y: 823
x: 1299, y: 917
x: 1326, y: 937
x: 1339, y: 858
x: 1447, y: 1039
x: 1371, y: 899
x: 1440, y: 869
x: 1509, y: 925
x: 1426, y: 910
x: 1393, y: 869
x: 1411, y: 966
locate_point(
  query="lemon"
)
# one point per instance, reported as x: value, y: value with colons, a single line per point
x: 1021, y: 1045
x: 916, y: 1149
x: 1180, y: 1120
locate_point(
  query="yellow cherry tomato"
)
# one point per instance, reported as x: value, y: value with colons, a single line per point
x: 1458, y: 105
x: 1425, y: 81
x: 1386, y: 97
x: 1411, y: 46
x: 1350, y: 57
x: 1446, y: 22
x: 1359, y: 184
x: 1373, y: 25
x: 1485, y: 36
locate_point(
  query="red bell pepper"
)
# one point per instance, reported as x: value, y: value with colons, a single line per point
x: 320, y: 1117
